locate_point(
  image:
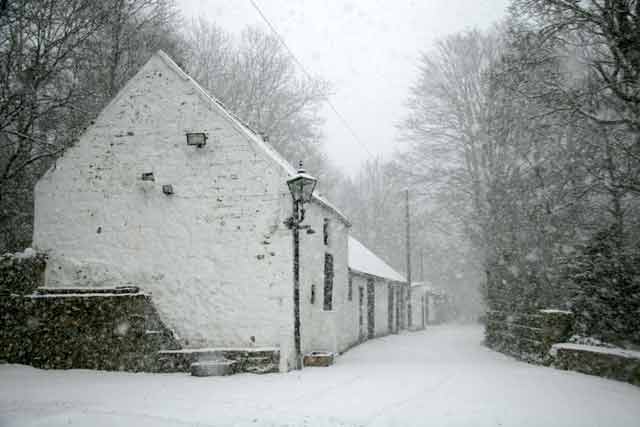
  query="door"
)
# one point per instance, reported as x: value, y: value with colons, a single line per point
x: 397, y: 293
x: 390, y: 308
x: 371, y: 308
x: 361, y: 335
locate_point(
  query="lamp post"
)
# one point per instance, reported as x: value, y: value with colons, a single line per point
x: 301, y: 186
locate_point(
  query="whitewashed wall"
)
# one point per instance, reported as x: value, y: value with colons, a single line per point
x: 322, y: 329
x: 215, y: 254
x: 416, y: 307
x: 349, y: 317
x: 381, y: 308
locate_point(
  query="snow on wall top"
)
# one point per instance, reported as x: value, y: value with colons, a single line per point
x: 629, y: 354
x: 248, y: 132
x: 362, y: 260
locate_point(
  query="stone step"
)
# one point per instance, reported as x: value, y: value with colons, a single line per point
x: 253, y: 360
x: 213, y: 368
x: 319, y: 358
x: 117, y: 290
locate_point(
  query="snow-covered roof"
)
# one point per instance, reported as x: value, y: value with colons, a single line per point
x: 362, y: 260
x: 247, y: 131
x: 428, y: 287
x: 424, y: 284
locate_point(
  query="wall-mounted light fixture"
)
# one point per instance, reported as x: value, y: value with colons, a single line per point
x: 199, y: 139
x: 167, y: 189
x: 148, y: 176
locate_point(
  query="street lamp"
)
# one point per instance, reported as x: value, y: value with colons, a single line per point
x: 301, y: 186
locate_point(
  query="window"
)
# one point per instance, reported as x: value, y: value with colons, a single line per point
x: 313, y: 293
x: 328, y: 281
x: 325, y: 231
x: 350, y: 289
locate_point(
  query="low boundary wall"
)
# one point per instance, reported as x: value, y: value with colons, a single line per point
x: 528, y: 336
x: 105, y: 328
x: 613, y: 363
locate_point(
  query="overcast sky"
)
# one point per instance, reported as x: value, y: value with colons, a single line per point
x: 367, y: 49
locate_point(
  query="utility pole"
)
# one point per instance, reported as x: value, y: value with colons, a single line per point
x: 407, y: 221
x: 422, y: 264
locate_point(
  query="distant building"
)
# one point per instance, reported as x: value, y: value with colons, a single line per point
x: 429, y: 304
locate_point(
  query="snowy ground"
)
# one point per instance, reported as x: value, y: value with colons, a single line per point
x: 439, y: 377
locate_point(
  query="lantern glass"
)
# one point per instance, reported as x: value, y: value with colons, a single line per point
x: 301, y: 186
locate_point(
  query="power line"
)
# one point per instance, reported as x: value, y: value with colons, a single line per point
x: 344, y: 122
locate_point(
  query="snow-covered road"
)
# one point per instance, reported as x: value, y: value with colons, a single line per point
x: 439, y: 377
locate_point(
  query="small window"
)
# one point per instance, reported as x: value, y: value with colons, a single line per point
x: 313, y: 293
x: 328, y: 282
x: 350, y: 289
x: 325, y: 231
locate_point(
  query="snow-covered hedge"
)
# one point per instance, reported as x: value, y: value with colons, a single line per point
x: 21, y: 273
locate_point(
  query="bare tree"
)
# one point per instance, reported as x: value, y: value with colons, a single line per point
x: 39, y: 44
x: 606, y: 37
x: 257, y: 80
x: 62, y: 61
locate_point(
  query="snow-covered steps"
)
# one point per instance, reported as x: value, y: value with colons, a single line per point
x: 258, y: 360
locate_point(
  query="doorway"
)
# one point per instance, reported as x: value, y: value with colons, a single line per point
x: 361, y: 335
x: 390, y: 308
x: 371, y: 308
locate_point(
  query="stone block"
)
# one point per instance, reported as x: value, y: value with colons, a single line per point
x: 213, y: 368
x: 319, y: 359
x: 613, y: 363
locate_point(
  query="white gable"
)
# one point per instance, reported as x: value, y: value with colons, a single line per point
x: 247, y: 132
x: 362, y: 260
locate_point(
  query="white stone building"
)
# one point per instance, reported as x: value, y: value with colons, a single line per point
x: 212, y: 248
x: 429, y: 304
x: 375, y: 295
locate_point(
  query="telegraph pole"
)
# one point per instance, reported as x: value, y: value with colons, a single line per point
x: 408, y: 249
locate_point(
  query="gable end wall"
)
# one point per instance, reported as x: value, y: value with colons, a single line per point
x: 215, y: 254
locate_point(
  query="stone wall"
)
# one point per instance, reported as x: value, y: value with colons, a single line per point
x: 21, y: 273
x: 614, y: 363
x: 107, y: 329
x: 527, y: 336
x: 249, y: 360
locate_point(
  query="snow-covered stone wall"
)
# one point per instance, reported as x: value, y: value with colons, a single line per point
x: 614, y: 363
x: 214, y: 254
x: 21, y: 273
x: 107, y: 329
x: 527, y: 336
